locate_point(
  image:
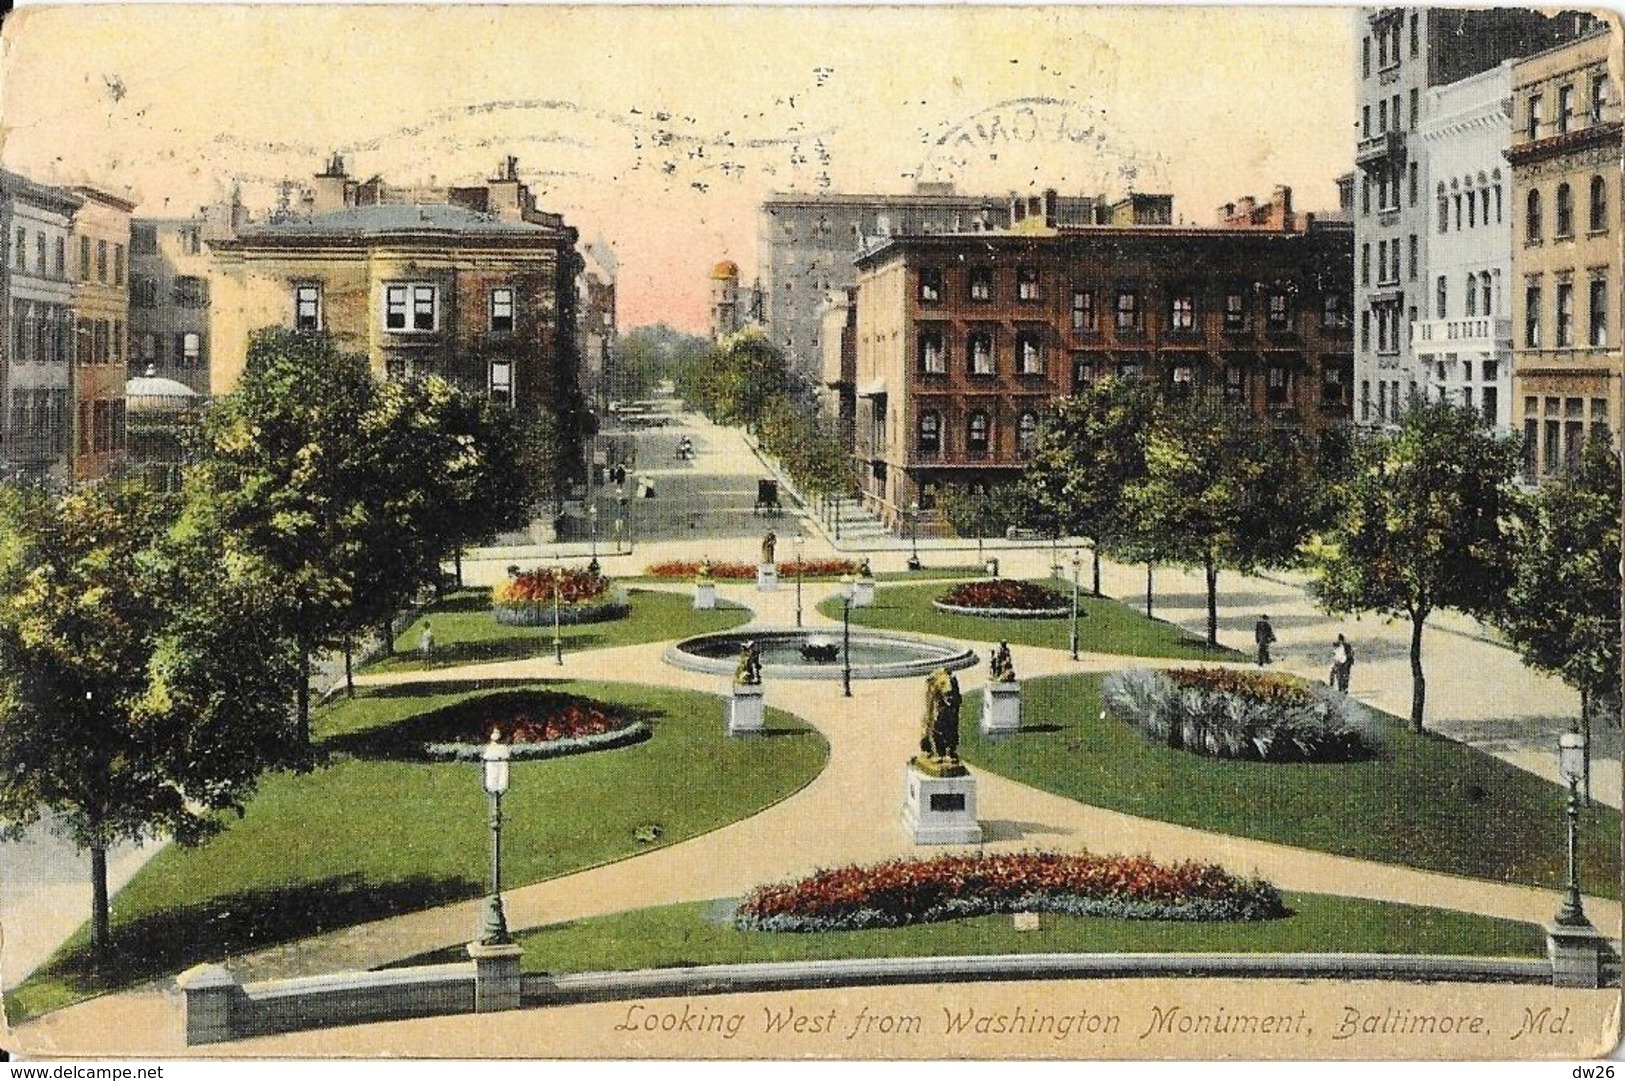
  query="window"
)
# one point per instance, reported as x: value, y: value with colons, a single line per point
x: 190, y: 292
x: 981, y: 283
x: 117, y: 343
x: 1182, y: 313
x: 1414, y: 259
x: 1565, y: 108
x: 1280, y: 311
x: 1084, y: 318
x: 1365, y: 264
x: 1026, y: 435
x: 1413, y: 185
x: 143, y: 293
x: 1082, y: 373
x: 1484, y: 294
x: 39, y: 254
x: 1128, y: 311
x: 1497, y: 205
x: 148, y: 346
x: 1393, y: 255
x: 1531, y: 316
x: 1443, y: 213
x: 143, y: 238
x: 1472, y: 297
x: 1029, y: 352
x: 1365, y: 195
x: 930, y: 285
x: 1416, y: 112
x: 1235, y: 384
x: 502, y: 382
x: 1027, y: 283
x: 1599, y: 311
x: 101, y: 260
x: 1491, y: 402
x: 118, y: 263
x: 1235, y: 307
x: 502, y: 310
x: 84, y: 258
x: 61, y: 258
x: 1565, y: 314
x: 1599, y: 205
x: 1532, y: 124
x: 1472, y: 210
x: 1456, y: 199
x: 930, y: 435
x: 1416, y: 36
x: 20, y: 250
x: 1565, y: 211
x: 307, y: 308
x: 1365, y: 61
x: 1365, y: 330
x: 411, y: 308
x: 1531, y: 217
x: 1599, y: 97
x: 933, y: 354
x: 1365, y: 399
x: 1278, y: 390
x: 1382, y: 49
x: 1382, y: 116
x: 980, y: 347
x: 1441, y: 298
x: 976, y: 435
x: 191, y: 350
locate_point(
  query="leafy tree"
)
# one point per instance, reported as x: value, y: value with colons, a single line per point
x: 142, y: 687
x: 1561, y: 610
x: 986, y: 512
x: 738, y: 382
x: 1421, y: 526
x: 1220, y: 490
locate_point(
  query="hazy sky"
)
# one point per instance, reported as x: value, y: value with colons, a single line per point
x: 659, y: 129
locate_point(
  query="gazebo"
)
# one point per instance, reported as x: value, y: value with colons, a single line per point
x: 160, y: 412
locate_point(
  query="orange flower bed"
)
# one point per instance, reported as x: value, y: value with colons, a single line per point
x: 812, y: 568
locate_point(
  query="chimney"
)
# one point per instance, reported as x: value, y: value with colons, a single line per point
x: 1052, y: 203
x: 1282, y: 197
x: 1246, y: 206
x: 1226, y: 212
x: 505, y: 195
x: 331, y: 187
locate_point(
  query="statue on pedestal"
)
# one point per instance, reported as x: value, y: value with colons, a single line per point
x: 769, y: 544
x: 863, y: 568
x: 749, y: 672
x: 1001, y: 669
x: 939, y: 736
x: 704, y: 572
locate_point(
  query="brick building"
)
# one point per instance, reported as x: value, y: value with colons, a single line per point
x: 101, y: 300
x: 961, y: 339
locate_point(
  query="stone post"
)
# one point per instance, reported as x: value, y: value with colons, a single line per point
x: 1577, y: 954
x: 213, y: 1001
x: 496, y: 976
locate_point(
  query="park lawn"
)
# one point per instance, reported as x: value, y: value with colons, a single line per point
x: 359, y: 839
x: 699, y: 934
x: 465, y: 631
x: 1104, y: 625
x: 1427, y: 802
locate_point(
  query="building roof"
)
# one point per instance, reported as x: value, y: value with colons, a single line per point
x: 33, y: 191
x: 725, y: 269
x: 393, y: 218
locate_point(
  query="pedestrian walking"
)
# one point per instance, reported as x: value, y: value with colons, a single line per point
x: 1263, y: 637
x: 1342, y: 664
x: 426, y: 641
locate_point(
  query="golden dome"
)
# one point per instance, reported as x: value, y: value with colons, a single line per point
x: 725, y: 269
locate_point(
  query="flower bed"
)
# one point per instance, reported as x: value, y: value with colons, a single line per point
x: 1257, y: 716
x: 1003, y: 598
x: 910, y: 891
x: 526, y: 599
x: 535, y: 725
x: 812, y: 568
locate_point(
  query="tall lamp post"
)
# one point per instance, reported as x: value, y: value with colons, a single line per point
x: 592, y: 529
x: 494, y: 760
x: 847, y: 590
x: 620, y: 524
x: 914, y: 536
x: 558, y: 587
x: 1077, y: 565
x: 798, y: 542
x: 1571, y: 763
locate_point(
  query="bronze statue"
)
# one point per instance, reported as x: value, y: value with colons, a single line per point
x: 863, y: 568
x: 704, y: 573
x: 939, y: 736
x: 749, y: 672
x: 1001, y: 669
x: 769, y: 543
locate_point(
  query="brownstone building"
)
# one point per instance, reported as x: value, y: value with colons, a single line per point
x: 961, y: 339
x: 101, y: 298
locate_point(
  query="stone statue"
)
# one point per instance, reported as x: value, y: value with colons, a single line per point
x: 1001, y: 669
x: 704, y: 573
x: 749, y: 672
x: 769, y: 543
x: 939, y: 736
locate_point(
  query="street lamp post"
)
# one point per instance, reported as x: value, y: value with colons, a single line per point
x: 1571, y: 763
x: 847, y: 589
x: 1077, y: 565
x: 620, y: 523
x: 494, y: 760
x: 798, y: 542
x: 914, y: 536
x: 558, y: 587
x: 838, y: 517
x: 592, y: 529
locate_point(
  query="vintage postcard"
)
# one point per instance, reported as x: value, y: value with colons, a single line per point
x: 623, y: 532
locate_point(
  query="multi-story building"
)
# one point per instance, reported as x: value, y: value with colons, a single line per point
x: 1402, y: 54
x: 170, y: 266
x: 962, y: 338
x: 480, y: 288
x: 728, y: 312
x: 101, y: 298
x: 1567, y: 158
x: 1463, y: 348
x: 837, y: 397
x: 37, y: 351
x: 596, y: 323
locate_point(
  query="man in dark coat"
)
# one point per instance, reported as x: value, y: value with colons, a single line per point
x: 1263, y: 637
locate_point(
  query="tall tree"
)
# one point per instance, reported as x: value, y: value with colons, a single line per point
x: 1421, y: 526
x: 142, y: 687
x: 1220, y: 491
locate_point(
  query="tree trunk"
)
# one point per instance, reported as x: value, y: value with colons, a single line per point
x: 457, y: 562
x: 1419, y: 683
x: 1148, y: 566
x: 386, y: 631
x: 304, y: 696
x: 1212, y: 573
x: 101, y: 920
x: 349, y: 668
x: 1095, y: 551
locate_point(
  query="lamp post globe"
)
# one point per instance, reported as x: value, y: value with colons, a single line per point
x: 494, y: 775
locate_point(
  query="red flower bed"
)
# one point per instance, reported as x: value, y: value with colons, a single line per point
x: 907, y: 891
x: 812, y: 568
x: 1263, y: 687
x: 575, y: 586
x: 1005, y: 594
x: 535, y: 724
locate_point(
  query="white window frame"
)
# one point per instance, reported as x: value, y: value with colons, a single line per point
x: 502, y: 296
x: 494, y: 387
x: 406, y: 299
x: 191, y: 349
x: 299, y: 299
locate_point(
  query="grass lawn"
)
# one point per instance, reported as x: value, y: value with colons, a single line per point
x: 465, y: 631
x: 699, y: 934
x: 1427, y: 802
x: 1104, y: 625
x: 361, y: 838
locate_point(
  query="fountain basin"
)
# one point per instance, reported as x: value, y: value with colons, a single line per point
x: 786, y: 654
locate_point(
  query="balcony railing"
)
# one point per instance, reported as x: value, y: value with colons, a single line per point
x: 1474, y: 332
x: 1388, y: 146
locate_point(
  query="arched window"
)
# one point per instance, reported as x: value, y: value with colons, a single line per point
x: 1441, y: 297
x: 1599, y: 205
x: 1444, y: 210
x: 980, y: 348
x: 976, y: 435
x: 930, y: 441
x: 1485, y: 297
x: 1472, y: 297
x: 1565, y: 210
x: 1531, y: 217
x: 1026, y: 435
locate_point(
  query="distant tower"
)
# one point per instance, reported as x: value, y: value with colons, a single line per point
x: 725, y: 315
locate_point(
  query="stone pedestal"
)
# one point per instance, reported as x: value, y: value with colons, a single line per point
x: 1577, y: 955
x: 705, y: 595
x: 496, y: 976
x: 863, y: 593
x: 767, y: 578
x: 212, y: 998
x: 940, y: 810
x: 744, y: 709
x: 1001, y: 708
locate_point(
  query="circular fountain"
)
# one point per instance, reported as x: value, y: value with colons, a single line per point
x: 816, y: 654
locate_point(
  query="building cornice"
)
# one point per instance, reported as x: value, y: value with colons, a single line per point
x: 1553, y: 146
